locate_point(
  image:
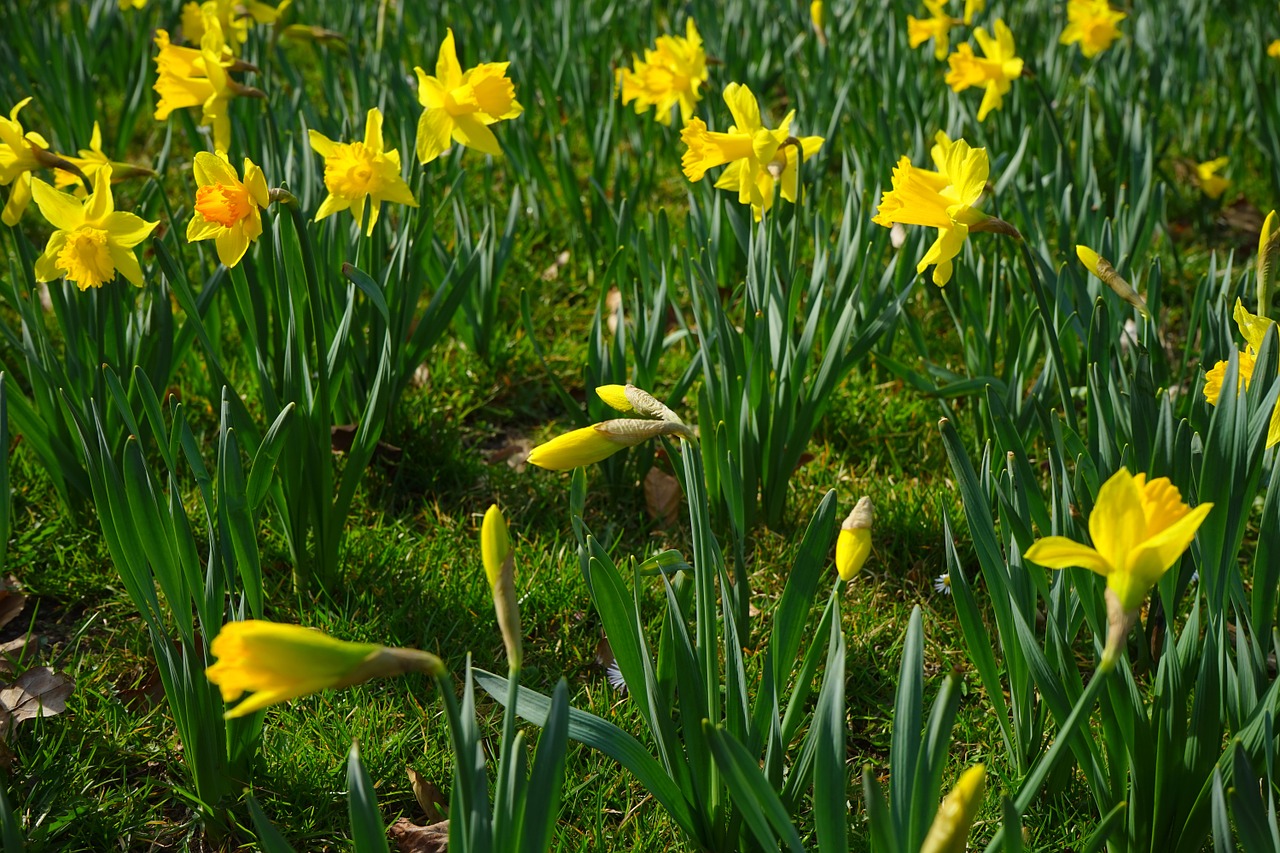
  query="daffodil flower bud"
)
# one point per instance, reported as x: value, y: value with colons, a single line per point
x: 1268, y: 250
x: 599, y: 441
x: 499, y: 567
x: 277, y: 662
x: 629, y: 398
x: 853, y: 545
x: 1104, y: 272
x: 950, y: 830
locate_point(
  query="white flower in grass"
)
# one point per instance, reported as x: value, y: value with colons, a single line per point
x: 942, y: 583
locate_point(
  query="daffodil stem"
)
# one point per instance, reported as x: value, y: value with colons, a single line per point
x: 1055, y: 347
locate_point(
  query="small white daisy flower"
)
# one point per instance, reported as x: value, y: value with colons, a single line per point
x: 942, y: 583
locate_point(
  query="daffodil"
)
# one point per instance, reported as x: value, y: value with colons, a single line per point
x: 187, y: 77
x: 1253, y: 329
x: 277, y: 662
x: 1102, y: 269
x: 971, y: 8
x: 1139, y: 530
x: 758, y: 158
x: 945, y: 199
x: 853, y: 545
x: 949, y: 832
x: 1211, y: 183
x: 671, y: 74
x: 995, y: 70
x: 817, y: 19
x: 356, y: 171
x: 1091, y: 24
x: 459, y: 107
x: 20, y: 155
x: 227, y: 210
x: 126, y: 5
x: 1273, y: 49
x: 591, y: 444
x: 937, y: 27
x: 199, y: 18
x: 92, y: 159
x: 499, y: 568
x: 93, y: 240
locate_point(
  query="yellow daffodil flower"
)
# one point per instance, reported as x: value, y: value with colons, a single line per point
x: 92, y: 159
x: 93, y: 240
x: 459, y: 107
x: 1139, y: 530
x: 1092, y: 24
x: 1252, y: 328
x: 971, y: 8
x: 499, y: 568
x: 126, y: 5
x: 945, y: 199
x: 277, y: 662
x: 670, y: 74
x: 949, y: 832
x: 853, y: 545
x: 937, y: 27
x: 19, y: 157
x: 995, y: 71
x: 1211, y: 183
x: 227, y: 210
x: 187, y: 77
x: 199, y: 18
x: 355, y: 171
x: 757, y: 157
x: 1273, y: 49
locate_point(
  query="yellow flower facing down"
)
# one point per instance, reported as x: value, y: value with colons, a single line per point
x: 356, y: 171
x: 93, y: 240
x: 949, y: 832
x: 499, y: 567
x: 995, y: 70
x: 1253, y: 329
x: 187, y: 77
x: 459, y: 107
x: 937, y: 27
x: 1092, y: 25
x: 227, y: 210
x: 277, y: 662
x: 1139, y: 530
x: 1211, y: 183
x: 670, y: 74
x: 92, y: 159
x: 853, y: 545
x: 945, y: 199
x: 19, y: 156
x: 757, y: 158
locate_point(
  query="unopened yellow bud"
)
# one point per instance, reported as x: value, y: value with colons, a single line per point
x: 817, y: 16
x: 1268, y: 249
x: 600, y: 441
x: 277, y: 662
x: 615, y: 396
x: 853, y: 545
x: 499, y: 566
x: 950, y: 830
x: 1101, y: 268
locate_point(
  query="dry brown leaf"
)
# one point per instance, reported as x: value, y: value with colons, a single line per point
x: 39, y: 692
x: 429, y: 797
x: 662, y: 496
x: 13, y: 651
x: 11, y: 601
x: 411, y: 838
x: 515, y: 453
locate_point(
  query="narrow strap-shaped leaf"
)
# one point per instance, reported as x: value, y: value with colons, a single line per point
x: 269, y: 838
x: 830, y: 789
x: 542, y: 804
x: 368, y: 834
x: 761, y: 808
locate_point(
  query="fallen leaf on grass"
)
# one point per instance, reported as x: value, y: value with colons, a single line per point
x: 13, y: 651
x: 11, y: 601
x: 515, y: 453
x: 39, y: 692
x: 411, y: 838
x: 429, y: 797
x: 662, y: 496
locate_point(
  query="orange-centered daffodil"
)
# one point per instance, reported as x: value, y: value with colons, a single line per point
x: 93, y: 240
x: 758, y: 158
x: 459, y: 107
x: 355, y: 171
x: 1253, y: 329
x: 227, y: 210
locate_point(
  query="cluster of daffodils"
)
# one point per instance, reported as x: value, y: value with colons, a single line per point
x: 759, y: 160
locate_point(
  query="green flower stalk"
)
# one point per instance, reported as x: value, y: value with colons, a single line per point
x: 499, y: 567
